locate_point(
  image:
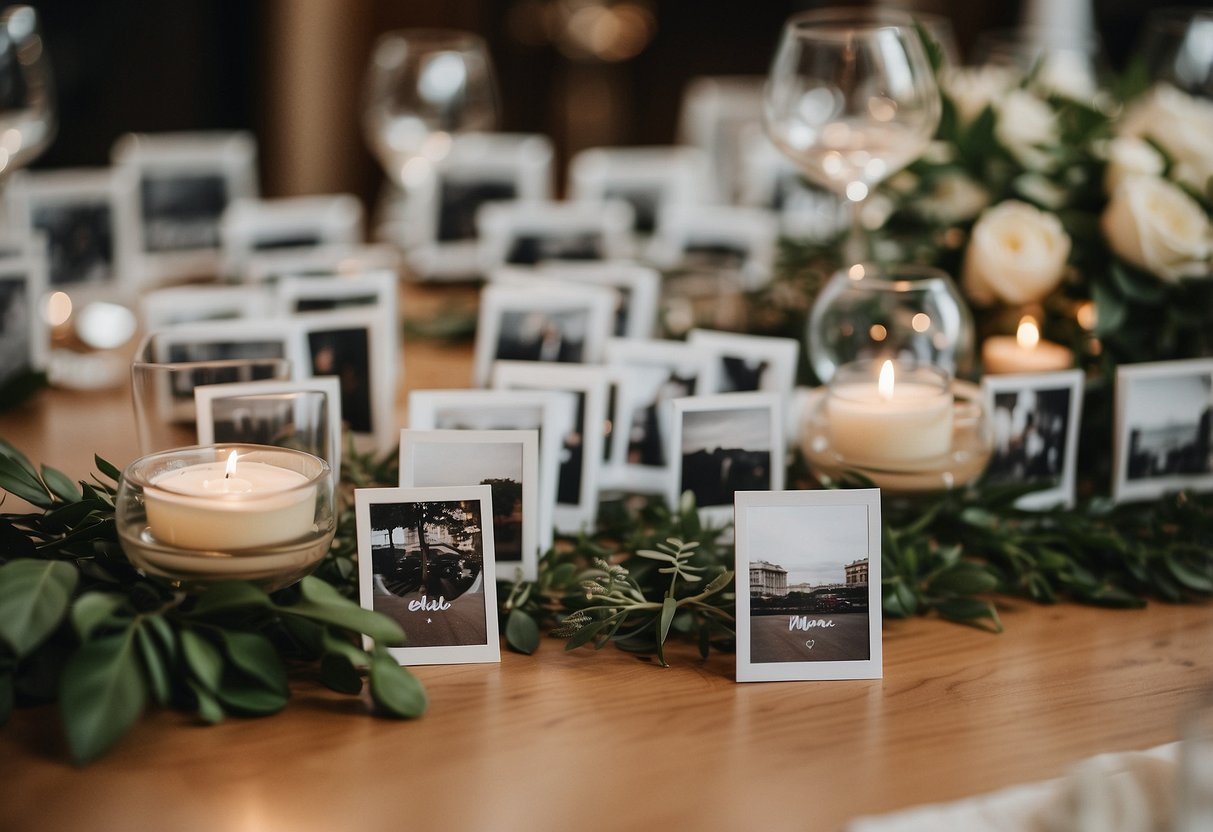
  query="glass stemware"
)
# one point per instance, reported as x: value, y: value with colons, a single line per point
x: 851, y: 99
x: 423, y: 87
x: 1177, y: 47
x: 27, y: 99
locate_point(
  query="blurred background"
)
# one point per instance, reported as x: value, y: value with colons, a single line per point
x: 584, y: 72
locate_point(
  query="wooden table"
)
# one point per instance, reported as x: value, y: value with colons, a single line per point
x: 584, y: 740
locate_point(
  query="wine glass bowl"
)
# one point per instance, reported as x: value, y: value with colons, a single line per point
x: 423, y: 87
x: 27, y: 99
x: 851, y: 98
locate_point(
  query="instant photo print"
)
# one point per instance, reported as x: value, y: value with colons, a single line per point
x: 298, y: 222
x: 648, y: 178
x: 527, y: 233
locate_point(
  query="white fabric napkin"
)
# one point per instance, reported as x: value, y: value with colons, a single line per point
x: 1123, y: 792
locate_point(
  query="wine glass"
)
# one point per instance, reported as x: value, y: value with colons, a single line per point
x: 423, y: 87
x: 1177, y: 47
x: 27, y: 99
x: 851, y: 99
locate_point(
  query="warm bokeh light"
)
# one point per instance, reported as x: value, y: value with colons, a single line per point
x: 1087, y: 315
x: 921, y: 322
x: 58, y: 308
x: 856, y: 272
x: 1028, y: 334
x: 877, y: 332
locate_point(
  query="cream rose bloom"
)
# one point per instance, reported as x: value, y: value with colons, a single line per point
x: 1130, y: 156
x: 1025, y: 123
x: 955, y: 198
x: 1182, y: 126
x: 1152, y: 223
x: 1017, y: 254
x: 971, y: 89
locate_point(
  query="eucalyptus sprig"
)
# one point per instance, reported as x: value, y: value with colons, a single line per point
x: 81, y: 626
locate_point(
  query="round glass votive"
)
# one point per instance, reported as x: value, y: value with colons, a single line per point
x: 913, y: 313
x: 211, y: 513
x: 167, y: 368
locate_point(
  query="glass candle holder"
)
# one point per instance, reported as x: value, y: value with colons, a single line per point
x: 164, y: 375
x: 911, y: 313
x: 212, y: 513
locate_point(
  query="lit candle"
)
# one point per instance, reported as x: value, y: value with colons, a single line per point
x: 217, y: 506
x: 889, y: 423
x: 1026, y: 352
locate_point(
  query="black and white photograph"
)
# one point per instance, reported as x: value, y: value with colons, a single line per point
x: 725, y: 239
x: 304, y: 415
x: 648, y: 178
x: 746, y: 363
x: 426, y: 560
x: 266, y: 268
x: 550, y: 413
x: 287, y: 223
x: 355, y: 346
x: 527, y: 233
x: 1164, y: 428
x: 24, y: 336
x: 80, y: 213
x: 577, y: 481
x: 183, y: 182
x: 723, y: 444
x: 440, y: 220
x: 654, y: 374
x: 1035, y: 420
x: 545, y: 322
x: 637, y: 288
x: 175, y: 305
x: 505, y: 460
x: 376, y: 290
x: 808, y: 585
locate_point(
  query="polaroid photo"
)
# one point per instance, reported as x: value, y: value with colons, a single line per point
x: 377, y: 290
x: 356, y: 346
x: 747, y: 363
x: 723, y: 444
x: 718, y: 238
x: 808, y: 585
x: 715, y: 112
x: 551, y: 414
x: 769, y: 180
x: 162, y: 308
x: 24, y: 335
x: 545, y: 321
x: 505, y: 460
x: 232, y: 351
x: 288, y: 223
x: 526, y: 233
x: 182, y: 184
x: 577, y: 482
x: 1164, y: 429
x: 1036, y: 420
x: 637, y: 288
x: 439, y: 216
x: 648, y: 178
x: 81, y: 213
x: 425, y: 561
x: 304, y: 415
x: 654, y: 374
x: 268, y: 267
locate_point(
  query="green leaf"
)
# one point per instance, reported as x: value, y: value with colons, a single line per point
x: 321, y: 602
x: 964, y: 578
x: 34, y: 598
x: 242, y: 694
x: 92, y: 609
x: 255, y: 657
x: 102, y: 694
x: 1137, y: 286
x: 395, y: 690
x: 61, y: 485
x: 970, y: 611
x: 655, y: 555
x: 521, y: 632
x: 342, y: 647
x: 203, y: 658
x: 209, y: 709
x: 22, y: 481
x: 669, y: 606
x: 153, y: 665
x: 1190, y: 578
x: 338, y: 673
x: 718, y: 583
x: 108, y: 468
x: 1111, y: 311
x: 230, y: 595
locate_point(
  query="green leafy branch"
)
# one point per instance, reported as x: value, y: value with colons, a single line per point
x: 79, y: 625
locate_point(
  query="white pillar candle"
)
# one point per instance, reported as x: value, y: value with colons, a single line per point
x: 229, y: 506
x: 889, y: 422
x: 1026, y: 352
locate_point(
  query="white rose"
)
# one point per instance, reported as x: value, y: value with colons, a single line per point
x: 1182, y: 126
x: 972, y: 89
x: 1017, y: 254
x: 1025, y: 124
x: 955, y: 198
x: 1130, y: 156
x: 1152, y: 223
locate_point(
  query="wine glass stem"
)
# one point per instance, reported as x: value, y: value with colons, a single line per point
x: 855, y: 247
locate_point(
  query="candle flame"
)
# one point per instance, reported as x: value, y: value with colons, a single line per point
x: 1028, y: 334
x: 884, y: 386
x: 231, y: 466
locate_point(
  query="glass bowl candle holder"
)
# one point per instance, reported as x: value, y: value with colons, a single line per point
x: 915, y: 430
x: 908, y: 312
x: 212, y: 513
